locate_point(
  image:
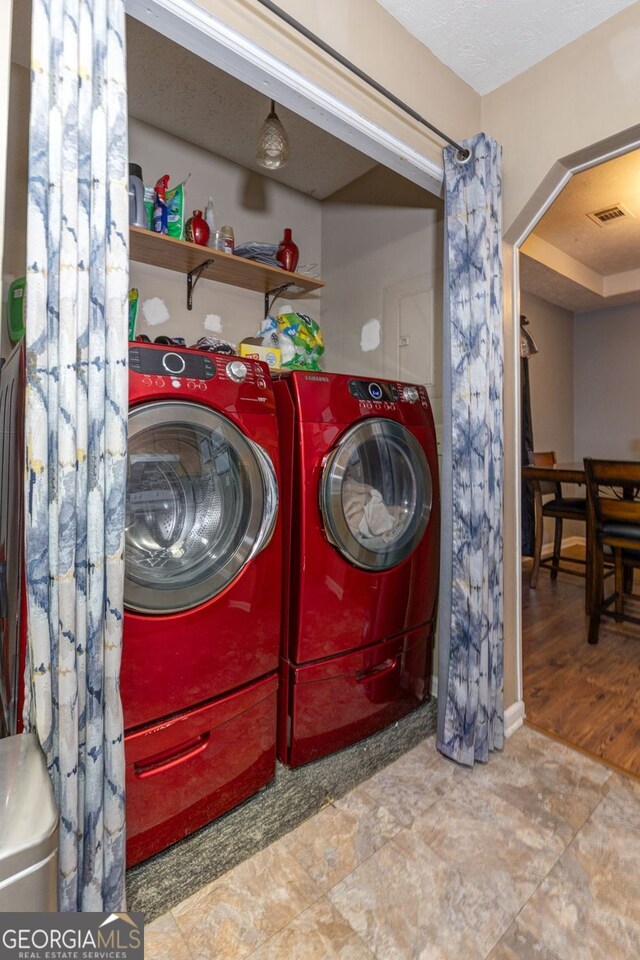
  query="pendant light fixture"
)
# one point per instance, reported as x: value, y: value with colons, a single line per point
x: 272, y: 149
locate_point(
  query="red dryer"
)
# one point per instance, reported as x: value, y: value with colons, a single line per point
x: 202, y: 590
x: 362, y: 535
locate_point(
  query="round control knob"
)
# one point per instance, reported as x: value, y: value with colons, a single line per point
x: 173, y: 363
x: 237, y: 370
x: 410, y: 394
x: 375, y: 391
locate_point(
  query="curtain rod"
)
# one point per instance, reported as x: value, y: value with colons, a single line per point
x: 463, y: 153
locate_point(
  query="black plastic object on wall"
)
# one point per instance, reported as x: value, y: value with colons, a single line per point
x: 528, y: 348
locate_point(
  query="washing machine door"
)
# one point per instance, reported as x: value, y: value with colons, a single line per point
x: 375, y: 494
x: 202, y: 500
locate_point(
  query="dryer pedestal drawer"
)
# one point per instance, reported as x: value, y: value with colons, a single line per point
x: 327, y: 705
x: 188, y: 770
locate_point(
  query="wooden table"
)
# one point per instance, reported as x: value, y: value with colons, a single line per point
x: 558, y: 472
x: 565, y: 473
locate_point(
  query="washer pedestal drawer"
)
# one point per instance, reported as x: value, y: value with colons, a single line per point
x: 186, y: 771
x: 326, y: 705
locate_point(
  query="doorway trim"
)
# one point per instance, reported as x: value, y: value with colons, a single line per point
x: 197, y: 29
x: 552, y: 185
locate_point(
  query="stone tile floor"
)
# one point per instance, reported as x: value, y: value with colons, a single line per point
x: 534, y: 856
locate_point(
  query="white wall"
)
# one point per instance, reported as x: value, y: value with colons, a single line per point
x: 607, y: 383
x: 361, y: 249
x: 257, y: 208
x: 368, y: 249
x: 552, y: 373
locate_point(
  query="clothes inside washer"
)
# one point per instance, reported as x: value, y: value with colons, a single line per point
x: 366, y: 513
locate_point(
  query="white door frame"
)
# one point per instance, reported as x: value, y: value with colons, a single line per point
x: 198, y: 30
x: 547, y: 192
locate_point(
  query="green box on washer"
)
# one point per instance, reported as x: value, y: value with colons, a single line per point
x: 16, y: 309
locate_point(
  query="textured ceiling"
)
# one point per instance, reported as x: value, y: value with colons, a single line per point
x: 488, y: 43
x: 610, y: 251
x: 172, y: 89
x: 555, y: 288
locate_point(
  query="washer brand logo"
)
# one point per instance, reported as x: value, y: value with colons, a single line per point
x: 320, y: 379
x: 71, y: 936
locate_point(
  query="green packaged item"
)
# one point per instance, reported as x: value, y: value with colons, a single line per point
x: 149, y: 201
x: 133, y: 312
x: 304, y: 333
x: 16, y: 309
x: 175, y: 211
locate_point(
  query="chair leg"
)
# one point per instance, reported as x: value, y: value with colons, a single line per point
x: 619, y: 585
x: 594, y: 626
x: 537, y: 546
x: 557, y: 546
x: 597, y: 586
x: 628, y: 579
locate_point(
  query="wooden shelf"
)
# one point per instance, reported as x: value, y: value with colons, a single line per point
x: 170, y: 254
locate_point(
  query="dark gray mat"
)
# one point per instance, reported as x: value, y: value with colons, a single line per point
x: 158, y: 884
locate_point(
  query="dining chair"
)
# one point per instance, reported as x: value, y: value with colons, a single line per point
x: 559, y: 508
x: 613, y: 504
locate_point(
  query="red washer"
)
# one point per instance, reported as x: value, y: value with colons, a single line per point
x: 363, y: 531
x: 202, y: 588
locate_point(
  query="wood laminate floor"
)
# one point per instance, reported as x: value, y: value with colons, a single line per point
x: 588, y: 696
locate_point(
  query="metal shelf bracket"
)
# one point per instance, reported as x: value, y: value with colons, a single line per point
x: 192, y: 278
x: 275, y: 293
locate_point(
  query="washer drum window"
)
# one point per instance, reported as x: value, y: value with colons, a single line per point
x: 375, y: 494
x: 202, y: 500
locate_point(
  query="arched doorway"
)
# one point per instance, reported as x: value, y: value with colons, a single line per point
x: 551, y: 188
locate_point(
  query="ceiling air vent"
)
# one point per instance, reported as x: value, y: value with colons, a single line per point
x: 609, y: 214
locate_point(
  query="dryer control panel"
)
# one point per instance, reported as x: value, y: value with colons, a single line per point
x: 172, y: 363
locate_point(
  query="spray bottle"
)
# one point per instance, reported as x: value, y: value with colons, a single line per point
x: 159, y: 223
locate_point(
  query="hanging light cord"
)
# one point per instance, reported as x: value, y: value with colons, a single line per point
x: 463, y: 154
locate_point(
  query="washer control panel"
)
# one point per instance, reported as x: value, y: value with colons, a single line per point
x: 375, y: 395
x: 371, y: 390
x: 174, y: 363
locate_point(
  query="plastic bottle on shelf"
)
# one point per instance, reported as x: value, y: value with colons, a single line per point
x: 226, y: 240
x: 210, y: 217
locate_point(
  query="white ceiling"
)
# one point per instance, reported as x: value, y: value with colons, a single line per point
x: 576, y: 263
x: 176, y: 91
x: 609, y: 249
x: 487, y: 43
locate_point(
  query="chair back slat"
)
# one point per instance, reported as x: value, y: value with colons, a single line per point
x: 624, y: 511
x: 613, y: 491
x: 545, y: 458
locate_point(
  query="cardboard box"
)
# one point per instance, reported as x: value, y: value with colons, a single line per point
x: 269, y: 355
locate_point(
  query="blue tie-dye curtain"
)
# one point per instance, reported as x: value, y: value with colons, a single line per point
x: 470, y: 701
x: 76, y: 429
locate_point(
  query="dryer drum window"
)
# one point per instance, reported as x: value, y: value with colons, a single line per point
x: 201, y: 501
x: 375, y: 494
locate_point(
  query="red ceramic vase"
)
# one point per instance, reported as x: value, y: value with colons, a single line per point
x: 196, y: 229
x: 288, y: 252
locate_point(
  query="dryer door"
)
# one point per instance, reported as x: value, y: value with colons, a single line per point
x: 201, y: 501
x: 375, y: 494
